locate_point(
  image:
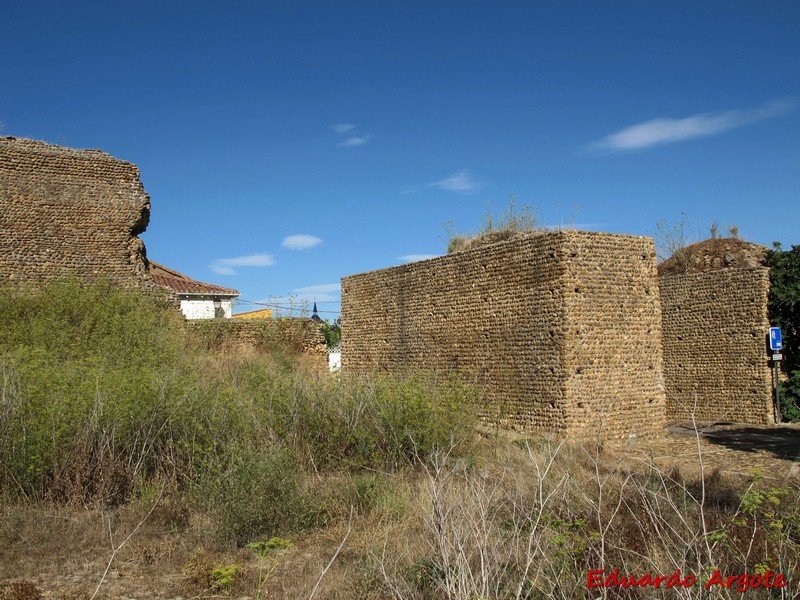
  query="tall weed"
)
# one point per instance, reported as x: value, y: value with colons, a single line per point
x: 253, y: 494
x: 88, y: 379
x: 102, y: 390
x: 535, y: 524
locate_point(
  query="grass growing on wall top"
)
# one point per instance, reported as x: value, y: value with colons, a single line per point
x: 512, y: 221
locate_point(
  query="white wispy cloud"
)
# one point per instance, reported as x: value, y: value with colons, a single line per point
x: 461, y: 182
x: 662, y: 130
x: 325, y: 288
x: 227, y: 266
x: 350, y: 136
x: 408, y: 258
x: 354, y: 140
x: 301, y: 241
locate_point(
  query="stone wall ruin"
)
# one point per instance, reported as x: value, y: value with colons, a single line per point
x: 562, y: 329
x: 66, y: 212
x: 301, y: 335
x: 714, y: 302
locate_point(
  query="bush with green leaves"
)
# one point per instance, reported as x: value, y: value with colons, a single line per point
x: 784, y: 312
x: 333, y: 332
x: 254, y: 493
x: 381, y: 421
x: 90, y: 377
x: 102, y: 394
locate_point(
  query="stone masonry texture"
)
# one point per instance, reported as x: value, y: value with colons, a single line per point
x: 715, y: 359
x: 562, y: 329
x: 66, y: 212
x: 301, y: 337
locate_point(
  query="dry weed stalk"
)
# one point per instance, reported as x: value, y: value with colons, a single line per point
x: 335, y: 554
x: 533, y: 526
x: 115, y: 549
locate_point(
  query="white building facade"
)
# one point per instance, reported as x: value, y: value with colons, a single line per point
x: 206, y: 307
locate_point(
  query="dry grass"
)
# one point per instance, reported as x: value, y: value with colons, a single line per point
x: 514, y: 521
x: 134, y: 466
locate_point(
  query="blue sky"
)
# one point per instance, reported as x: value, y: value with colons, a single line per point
x: 287, y: 144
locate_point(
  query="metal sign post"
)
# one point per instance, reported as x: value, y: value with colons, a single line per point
x: 775, y: 339
x: 776, y: 345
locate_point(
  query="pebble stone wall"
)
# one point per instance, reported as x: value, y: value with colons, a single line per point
x: 562, y: 329
x: 715, y: 355
x: 69, y: 212
x: 302, y: 336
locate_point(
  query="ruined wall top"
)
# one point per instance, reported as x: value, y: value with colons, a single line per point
x: 714, y: 254
x: 67, y: 212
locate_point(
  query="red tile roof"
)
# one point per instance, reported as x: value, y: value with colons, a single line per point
x: 182, y: 284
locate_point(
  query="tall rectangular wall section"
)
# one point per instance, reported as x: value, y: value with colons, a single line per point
x: 614, y: 359
x: 562, y: 329
x: 715, y: 359
x: 66, y: 212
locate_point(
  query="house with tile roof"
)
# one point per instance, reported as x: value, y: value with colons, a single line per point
x: 199, y: 300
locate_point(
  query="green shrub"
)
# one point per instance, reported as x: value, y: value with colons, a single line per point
x: 103, y: 395
x: 421, y: 416
x: 254, y: 493
x: 784, y: 312
x: 380, y: 422
x: 89, y: 380
x: 70, y: 320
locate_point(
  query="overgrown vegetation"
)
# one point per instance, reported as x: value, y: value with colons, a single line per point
x: 113, y: 424
x: 672, y: 238
x: 529, y: 519
x: 101, y: 393
x: 784, y: 312
x: 537, y: 524
x: 512, y: 221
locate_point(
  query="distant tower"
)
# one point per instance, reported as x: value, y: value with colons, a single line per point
x: 315, y: 316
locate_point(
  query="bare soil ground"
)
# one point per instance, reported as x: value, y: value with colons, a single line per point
x: 733, y: 449
x: 65, y: 552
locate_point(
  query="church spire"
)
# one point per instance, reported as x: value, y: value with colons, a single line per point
x: 315, y: 316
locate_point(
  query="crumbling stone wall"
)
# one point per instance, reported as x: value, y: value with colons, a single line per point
x: 66, y: 212
x: 303, y: 337
x: 715, y: 325
x: 562, y: 329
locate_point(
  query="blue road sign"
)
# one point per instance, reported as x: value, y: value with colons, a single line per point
x: 775, y: 338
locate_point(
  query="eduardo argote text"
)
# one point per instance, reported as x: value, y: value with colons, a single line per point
x: 599, y: 578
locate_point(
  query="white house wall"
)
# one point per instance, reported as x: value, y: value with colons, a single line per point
x: 204, y: 309
x: 335, y: 360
